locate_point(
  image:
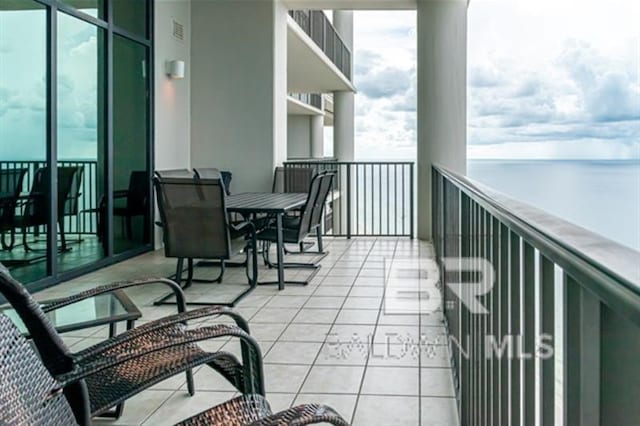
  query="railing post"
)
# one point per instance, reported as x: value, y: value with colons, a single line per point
x: 581, y: 355
x: 547, y: 308
x: 348, y: 165
x: 529, y: 336
x: 411, y: 205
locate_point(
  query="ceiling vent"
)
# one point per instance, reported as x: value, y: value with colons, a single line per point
x: 178, y: 30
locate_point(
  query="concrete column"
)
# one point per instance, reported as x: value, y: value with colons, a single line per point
x: 343, y: 102
x: 239, y: 89
x: 442, y: 96
x: 316, y: 134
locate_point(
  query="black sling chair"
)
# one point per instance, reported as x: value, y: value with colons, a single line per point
x: 195, y: 225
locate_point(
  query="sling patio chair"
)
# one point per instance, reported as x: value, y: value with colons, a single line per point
x: 298, y: 228
x: 136, y: 203
x: 195, y: 225
x: 35, y: 208
x: 11, y: 181
x: 120, y: 367
x: 31, y: 395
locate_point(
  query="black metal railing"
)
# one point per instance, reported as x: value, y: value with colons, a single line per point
x: 317, y: 26
x: 368, y: 198
x: 313, y: 99
x: 85, y: 222
x: 560, y: 337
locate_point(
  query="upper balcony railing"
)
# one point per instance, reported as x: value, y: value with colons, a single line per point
x: 316, y: 24
x: 543, y: 316
x: 313, y: 99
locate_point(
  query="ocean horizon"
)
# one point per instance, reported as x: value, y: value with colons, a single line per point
x: 602, y: 196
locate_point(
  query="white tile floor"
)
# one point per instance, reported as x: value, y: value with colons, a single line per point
x: 315, y: 339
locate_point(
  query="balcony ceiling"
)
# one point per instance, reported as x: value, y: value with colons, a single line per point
x: 309, y: 70
x: 353, y: 4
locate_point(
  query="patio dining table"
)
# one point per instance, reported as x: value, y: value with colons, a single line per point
x: 253, y: 203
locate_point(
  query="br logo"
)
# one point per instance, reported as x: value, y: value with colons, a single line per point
x: 474, y: 278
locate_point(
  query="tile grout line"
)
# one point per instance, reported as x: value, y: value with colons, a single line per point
x: 364, y: 374
x: 333, y: 324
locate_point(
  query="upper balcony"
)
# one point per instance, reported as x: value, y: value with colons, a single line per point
x: 318, y: 59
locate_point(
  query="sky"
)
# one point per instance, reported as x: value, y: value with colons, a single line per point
x: 546, y: 79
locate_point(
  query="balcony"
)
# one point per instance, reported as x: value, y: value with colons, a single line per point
x: 387, y: 333
x: 318, y: 60
x: 304, y: 104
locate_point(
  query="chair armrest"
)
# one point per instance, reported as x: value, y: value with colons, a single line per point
x: 158, y: 325
x: 305, y: 414
x: 60, y: 303
x: 155, y: 343
x: 246, y: 225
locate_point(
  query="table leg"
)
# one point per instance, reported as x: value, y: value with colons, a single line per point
x: 280, y: 251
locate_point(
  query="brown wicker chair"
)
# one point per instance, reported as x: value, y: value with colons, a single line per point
x: 121, y: 367
x: 29, y: 395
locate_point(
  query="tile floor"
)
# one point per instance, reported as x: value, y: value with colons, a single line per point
x: 336, y: 341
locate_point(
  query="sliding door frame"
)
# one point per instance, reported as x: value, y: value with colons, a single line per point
x: 53, y: 7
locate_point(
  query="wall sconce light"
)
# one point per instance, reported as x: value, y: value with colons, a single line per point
x: 175, y: 69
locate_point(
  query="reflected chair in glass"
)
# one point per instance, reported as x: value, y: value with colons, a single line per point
x: 120, y: 367
x: 11, y: 181
x: 298, y: 228
x: 136, y: 203
x: 195, y: 225
x: 36, y: 206
x: 32, y: 395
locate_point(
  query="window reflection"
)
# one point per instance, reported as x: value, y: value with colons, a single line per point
x: 81, y: 143
x: 24, y: 183
x: 131, y: 179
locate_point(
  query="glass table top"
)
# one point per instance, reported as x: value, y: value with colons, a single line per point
x: 99, y: 310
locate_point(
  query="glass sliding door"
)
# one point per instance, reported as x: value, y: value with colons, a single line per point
x: 75, y: 135
x: 131, y: 177
x: 24, y: 181
x: 81, y: 143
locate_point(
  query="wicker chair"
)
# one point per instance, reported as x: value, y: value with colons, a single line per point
x: 121, y: 367
x: 196, y: 225
x: 29, y: 395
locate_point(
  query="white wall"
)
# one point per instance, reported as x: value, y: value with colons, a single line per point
x: 172, y: 97
x: 442, y: 97
x: 298, y: 136
x: 239, y: 96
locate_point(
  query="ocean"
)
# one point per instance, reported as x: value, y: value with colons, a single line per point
x: 600, y: 195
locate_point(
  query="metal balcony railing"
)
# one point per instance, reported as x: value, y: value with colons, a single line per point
x: 368, y: 198
x: 77, y: 224
x: 317, y: 26
x: 558, y: 336
x: 313, y: 99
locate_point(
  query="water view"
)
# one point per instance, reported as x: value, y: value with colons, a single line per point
x: 600, y: 195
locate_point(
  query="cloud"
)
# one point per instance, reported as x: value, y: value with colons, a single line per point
x: 579, y: 95
x: 384, y: 83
